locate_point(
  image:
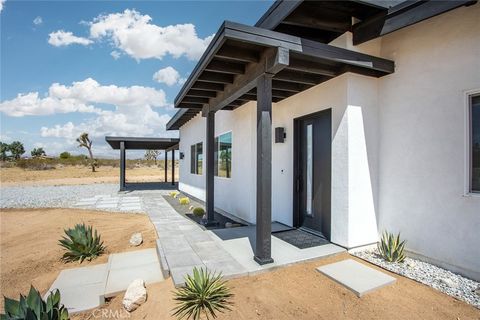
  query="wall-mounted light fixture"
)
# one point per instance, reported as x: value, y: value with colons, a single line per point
x: 182, y: 155
x: 280, y: 135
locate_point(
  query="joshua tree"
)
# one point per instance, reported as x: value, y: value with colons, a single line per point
x: 17, y: 149
x: 84, y: 141
x: 152, y: 155
x: 38, y: 152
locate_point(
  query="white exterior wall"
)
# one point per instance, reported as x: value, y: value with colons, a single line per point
x: 423, y: 145
x: 398, y: 151
x: 235, y: 195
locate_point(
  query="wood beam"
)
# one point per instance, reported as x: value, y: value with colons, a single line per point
x: 312, y: 67
x: 226, y: 67
x: 300, y: 77
x: 402, y: 15
x: 208, y: 76
x: 201, y: 93
x: 189, y: 106
x: 194, y: 100
x: 208, y: 86
x: 273, y: 60
x: 289, y: 86
x: 122, y: 166
x: 237, y: 54
x: 263, y: 240
x: 320, y: 19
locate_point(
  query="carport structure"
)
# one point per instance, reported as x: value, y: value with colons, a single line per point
x: 143, y: 143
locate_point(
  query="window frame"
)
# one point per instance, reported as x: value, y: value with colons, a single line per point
x: 468, y: 142
x: 194, y: 159
x: 217, y: 154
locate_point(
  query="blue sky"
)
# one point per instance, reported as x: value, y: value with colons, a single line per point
x: 105, y: 67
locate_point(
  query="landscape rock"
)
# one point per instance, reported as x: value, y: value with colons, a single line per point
x: 449, y: 283
x: 135, y: 295
x: 136, y: 239
x: 478, y: 291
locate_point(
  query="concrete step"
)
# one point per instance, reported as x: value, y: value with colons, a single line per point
x: 163, y: 261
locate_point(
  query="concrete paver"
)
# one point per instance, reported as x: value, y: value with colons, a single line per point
x: 356, y: 276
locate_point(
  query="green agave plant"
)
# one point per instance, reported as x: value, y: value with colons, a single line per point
x: 33, y: 307
x: 81, y: 243
x: 204, y: 293
x: 391, y: 248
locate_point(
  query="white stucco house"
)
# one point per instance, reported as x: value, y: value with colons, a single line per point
x: 344, y: 118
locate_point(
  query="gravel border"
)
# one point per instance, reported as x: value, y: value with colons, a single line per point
x: 440, y: 279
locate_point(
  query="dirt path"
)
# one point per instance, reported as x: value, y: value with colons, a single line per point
x: 300, y: 292
x: 30, y: 253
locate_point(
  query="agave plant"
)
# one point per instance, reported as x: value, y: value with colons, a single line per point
x: 204, y: 293
x: 391, y: 248
x: 33, y: 307
x: 81, y: 243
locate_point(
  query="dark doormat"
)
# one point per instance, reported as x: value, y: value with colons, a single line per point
x: 301, y: 239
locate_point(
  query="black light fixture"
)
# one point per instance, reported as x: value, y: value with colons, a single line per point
x: 280, y: 135
x: 182, y: 155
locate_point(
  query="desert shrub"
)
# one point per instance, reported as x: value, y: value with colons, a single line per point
x: 35, y: 164
x: 35, y: 308
x: 81, y: 243
x: 184, y: 201
x: 391, y: 248
x: 65, y: 155
x: 204, y: 294
x: 198, y: 211
x: 174, y: 194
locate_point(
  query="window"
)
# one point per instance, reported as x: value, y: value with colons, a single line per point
x: 223, y: 155
x: 475, y: 143
x: 196, y: 158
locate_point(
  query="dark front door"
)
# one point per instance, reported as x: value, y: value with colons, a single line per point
x: 312, y: 162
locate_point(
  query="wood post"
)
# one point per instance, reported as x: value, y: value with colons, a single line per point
x: 263, y: 244
x: 173, y: 167
x: 165, y: 166
x: 209, y: 168
x: 122, y: 165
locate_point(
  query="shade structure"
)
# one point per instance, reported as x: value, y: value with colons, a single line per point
x: 143, y: 143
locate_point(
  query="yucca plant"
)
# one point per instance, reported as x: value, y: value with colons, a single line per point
x: 33, y: 307
x: 184, y: 201
x: 204, y: 293
x: 174, y: 194
x: 81, y: 243
x: 391, y: 248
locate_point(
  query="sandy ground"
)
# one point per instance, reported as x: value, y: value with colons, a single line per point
x: 30, y: 253
x: 300, y: 292
x: 70, y: 175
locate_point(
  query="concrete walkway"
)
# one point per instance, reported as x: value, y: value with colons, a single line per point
x: 86, y: 288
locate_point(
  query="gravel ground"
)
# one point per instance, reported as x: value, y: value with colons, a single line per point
x: 51, y: 196
x: 448, y: 282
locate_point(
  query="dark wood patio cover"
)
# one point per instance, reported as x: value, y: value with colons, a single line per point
x: 225, y: 77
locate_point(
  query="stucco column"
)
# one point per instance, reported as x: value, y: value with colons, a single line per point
x: 122, y: 165
x: 263, y: 244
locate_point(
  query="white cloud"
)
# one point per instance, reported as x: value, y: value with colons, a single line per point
x: 64, y: 38
x: 169, y: 76
x: 37, y: 21
x: 1, y: 4
x: 135, y: 35
x: 115, y: 54
x: 80, y: 97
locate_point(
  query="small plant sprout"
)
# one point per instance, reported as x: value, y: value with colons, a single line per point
x: 391, y: 248
x: 81, y: 243
x: 204, y: 294
x: 34, y: 307
x: 199, y: 212
x: 184, y: 201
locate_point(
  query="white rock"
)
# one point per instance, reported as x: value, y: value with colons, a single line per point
x: 136, y: 239
x: 449, y: 283
x: 135, y: 296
